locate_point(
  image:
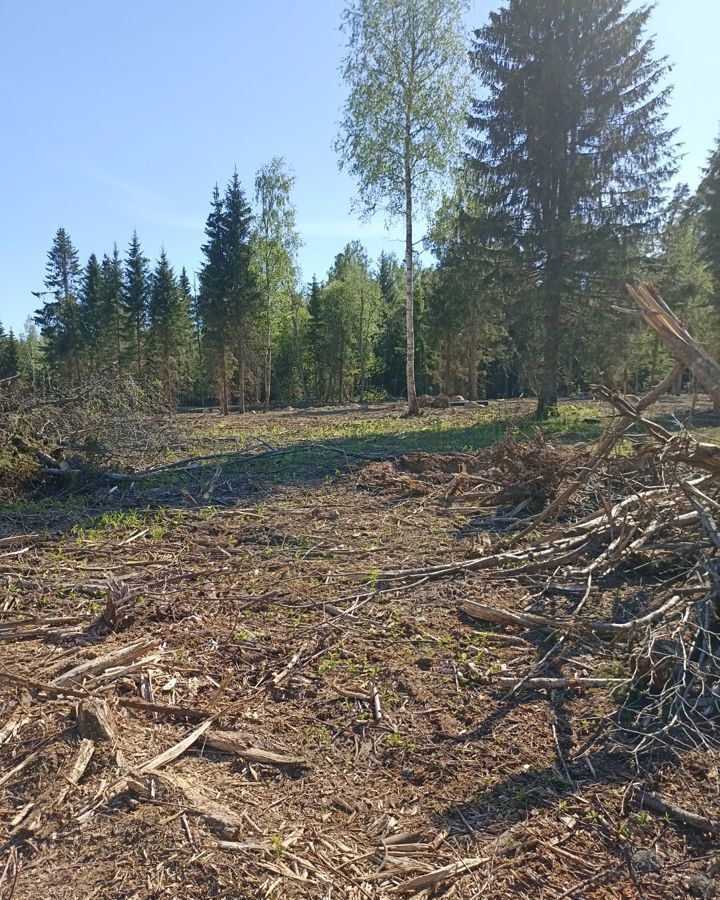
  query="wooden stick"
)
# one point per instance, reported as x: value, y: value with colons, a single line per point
x: 115, y: 657
x: 282, y: 675
x: 657, y: 804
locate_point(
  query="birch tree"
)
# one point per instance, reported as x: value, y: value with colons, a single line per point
x: 276, y: 245
x: 406, y: 73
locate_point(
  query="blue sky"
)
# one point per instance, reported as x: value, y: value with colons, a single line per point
x: 123, y: 115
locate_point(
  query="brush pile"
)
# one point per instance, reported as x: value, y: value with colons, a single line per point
x: 638, y: 520
x: 54, y: 434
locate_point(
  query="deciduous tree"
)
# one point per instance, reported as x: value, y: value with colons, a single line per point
x: 406, y: 77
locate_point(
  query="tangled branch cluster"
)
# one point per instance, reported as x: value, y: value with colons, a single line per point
x: 64, y: 430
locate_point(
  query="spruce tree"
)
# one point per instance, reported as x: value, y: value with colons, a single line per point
x: 572, y: 132
x: 58, y: 318
x: 113, y: 320
x: 391, y: 348
x: 90, y: 312
x: 314, y: 307
x: 708, y: 201
x: 199, y: 374
x: 241, y: 287
x: 213, y: 303
x: 9, y: 355
x: 169, y: 330
x: 135, y: 299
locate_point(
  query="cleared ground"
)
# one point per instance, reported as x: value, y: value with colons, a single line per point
x: 255, y: 580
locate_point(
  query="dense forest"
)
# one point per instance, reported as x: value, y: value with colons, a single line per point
x: 537, y: 152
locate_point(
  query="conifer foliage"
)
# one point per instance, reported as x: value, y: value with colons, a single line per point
x: 572, y: 131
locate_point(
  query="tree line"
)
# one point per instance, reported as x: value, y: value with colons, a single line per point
x: 537, y: 149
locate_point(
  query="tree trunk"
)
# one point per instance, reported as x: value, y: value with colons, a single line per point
x: 268, y: 369
x: 413, y: 407
x: 548, y: 393
x: 298, y: 348
x: 447, y: 368
x: 268, y: 337
x: 241, y: 376
x: 653, y: 364
x: 473, y: 362
x: 362, y: 344
x: 341, y: 375
x: 224, y: 404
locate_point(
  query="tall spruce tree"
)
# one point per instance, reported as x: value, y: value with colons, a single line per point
x: 314, y: 308
x: 58, y: 318
x: 90, y: 313
x: 9, y: 355
x: 241, y: 288
x: 136, y: 285
x: 113, y: 318
x: 213, y: 300
x: 572, y: 131
x: 708, y: 199
x: 168, y: 331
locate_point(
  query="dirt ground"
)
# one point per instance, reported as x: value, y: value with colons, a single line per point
x: 372, y: 742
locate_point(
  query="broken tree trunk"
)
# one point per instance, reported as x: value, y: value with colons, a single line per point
x: 658, y: 316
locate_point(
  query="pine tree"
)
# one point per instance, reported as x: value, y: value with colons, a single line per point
x: 135, y: 300
x: 572, y: 132
x: 58, y: 318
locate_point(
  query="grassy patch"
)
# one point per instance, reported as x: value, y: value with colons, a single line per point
x: 124, y: 522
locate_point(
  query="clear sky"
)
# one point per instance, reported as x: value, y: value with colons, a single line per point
x: 123, y: 115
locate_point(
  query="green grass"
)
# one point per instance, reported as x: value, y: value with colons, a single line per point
x: 124, y: 522
x: 376, y: 435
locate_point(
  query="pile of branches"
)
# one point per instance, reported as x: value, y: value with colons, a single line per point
x: 652, y: 530
x: 62, y: 431
x: 524, y: 475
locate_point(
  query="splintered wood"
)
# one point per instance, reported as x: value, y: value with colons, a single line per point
x: 658, y: 316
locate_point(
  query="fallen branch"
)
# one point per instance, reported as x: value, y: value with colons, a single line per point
x: 560, y: 683
x: 657, y: 804
x: 437, y: 876
x: 115, y: 657
x: 228, y: 742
